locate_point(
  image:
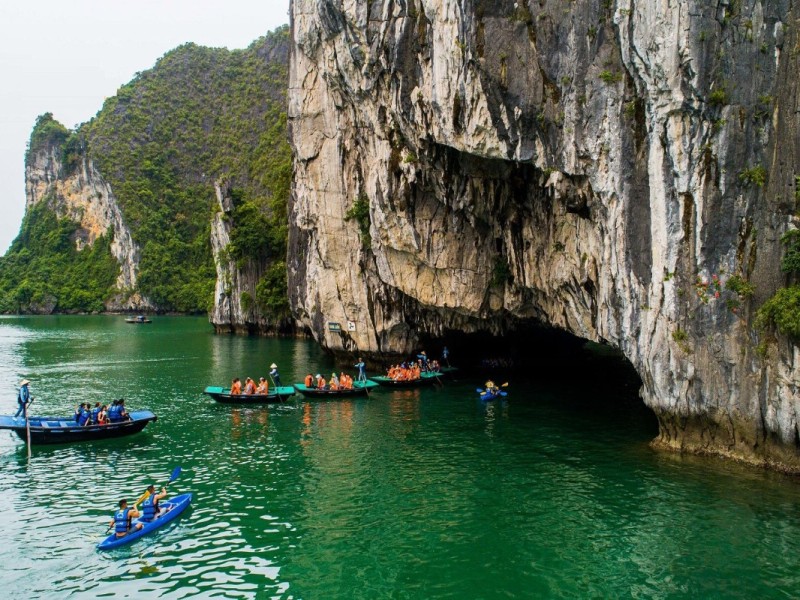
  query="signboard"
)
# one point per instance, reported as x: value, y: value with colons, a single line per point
x: 351, y: 326
x: 334, y: 326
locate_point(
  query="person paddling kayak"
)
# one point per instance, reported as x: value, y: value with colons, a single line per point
x: 122, y: 519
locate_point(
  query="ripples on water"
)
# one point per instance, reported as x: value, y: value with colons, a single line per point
x: 419, y: 494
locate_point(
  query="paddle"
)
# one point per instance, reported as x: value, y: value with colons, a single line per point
x: 176, y: 472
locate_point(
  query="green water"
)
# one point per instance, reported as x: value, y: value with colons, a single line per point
x: 407, y: 494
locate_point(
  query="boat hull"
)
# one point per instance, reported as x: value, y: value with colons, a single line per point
x: 64, y: 430
x: 175, y: 505
x: 489, y: 396
x: 360, y: 388
x: 224, y: 396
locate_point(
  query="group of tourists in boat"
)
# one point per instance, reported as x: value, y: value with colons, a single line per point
x: 343, y: 381
x: 411, y: 370
x: 251, y: 388
x: 101, y: 414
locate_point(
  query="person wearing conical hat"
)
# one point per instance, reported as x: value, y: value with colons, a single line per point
x: 23, y: 398
x: 276, y: 378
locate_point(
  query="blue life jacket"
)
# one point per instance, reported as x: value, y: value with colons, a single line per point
x: 83, y: 417
x: 121, y: 520
x: 149, y: 507
x: 95, y: 413
x: 113, y: 413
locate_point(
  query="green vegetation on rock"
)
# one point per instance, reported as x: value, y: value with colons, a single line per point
x: 201, y: 115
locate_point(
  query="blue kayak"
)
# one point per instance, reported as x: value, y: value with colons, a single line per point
x: 486, y: 395
x: 173, y: 507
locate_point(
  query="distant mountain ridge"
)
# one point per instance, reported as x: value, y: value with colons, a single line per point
x: 119, y: 211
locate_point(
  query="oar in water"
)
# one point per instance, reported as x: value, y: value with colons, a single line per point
x: 176, y: 472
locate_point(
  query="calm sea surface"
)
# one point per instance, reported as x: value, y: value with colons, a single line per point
x: 428, y: 493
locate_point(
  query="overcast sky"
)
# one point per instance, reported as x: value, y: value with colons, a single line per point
x: 67, y: 56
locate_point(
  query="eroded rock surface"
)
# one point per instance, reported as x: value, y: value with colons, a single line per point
x: 587, y: 165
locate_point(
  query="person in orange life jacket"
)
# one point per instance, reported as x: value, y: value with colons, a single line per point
x: 321, y: 383
x: 150, y: 509
x: 236, y: 387
x: 249, y: 387
x: 263, y: 386
x: 309, y: 381
x: 334, y: 382
x: 23, y: 398
x: 122, y: 519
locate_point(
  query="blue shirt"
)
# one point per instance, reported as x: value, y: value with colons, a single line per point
x: 24, y: 395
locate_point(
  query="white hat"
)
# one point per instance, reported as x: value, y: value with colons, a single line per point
x: 24, y: 382
x: 273, y: 366
x: 318, y: 376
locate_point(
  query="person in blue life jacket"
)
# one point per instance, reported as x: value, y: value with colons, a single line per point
x: 424, y: 360
x: 122, y: 519
x: 96, y: 413
x: 362, y: 369
x: 446, y: 355
x: 122, y: 414
x: 84, y: 417
x: 23, y: 398
x: 274, y: 374
x: 113, y: 412
x: 150, y: 508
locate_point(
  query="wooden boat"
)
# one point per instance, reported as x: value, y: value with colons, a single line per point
x: 138, y: 320
x: 171, y: 509
x: 360, y: 388
x: 275, y: 395
x: 425, y: 378
x: 62, y: 430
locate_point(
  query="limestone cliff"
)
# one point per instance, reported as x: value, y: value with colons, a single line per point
x: 83, y: 196
x: 610, y: 169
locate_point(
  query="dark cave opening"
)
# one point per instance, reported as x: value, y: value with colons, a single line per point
x: 593, y: 377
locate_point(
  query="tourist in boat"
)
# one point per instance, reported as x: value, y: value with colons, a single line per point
x: 122, y: 413
x: 249, y: 387
x: 96, y: 413
x: 23, y: 398
x: 150, y: 509
x: 236, y: 387
x: 321, y: 383
x: 85, y: 416
x: 102, y: 416
x: 334, y: 382
x: 122, y: 519
x: 345, y: 381
x: 263, y: 387
x: 362, y: 369
x: 423, y: 359
x: 309, y: 381
x: 276, y: 378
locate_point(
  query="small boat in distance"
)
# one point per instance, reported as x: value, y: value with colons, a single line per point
x: 360, y: 388
x: 275, y: 395
x: 425, y: 378
x: 140, y: 319
x: 62, y: 430
x: 171, y: 509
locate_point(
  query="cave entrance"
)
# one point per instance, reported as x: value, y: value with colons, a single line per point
x: 577, y: 375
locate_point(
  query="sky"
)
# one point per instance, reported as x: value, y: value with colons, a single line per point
x: 67, y: 56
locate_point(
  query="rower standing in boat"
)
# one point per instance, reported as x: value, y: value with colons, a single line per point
x: 23, y: 398
x: 276, y: 378
x: 446, y: 355
x: 122, y: 519
x: 362, y: 369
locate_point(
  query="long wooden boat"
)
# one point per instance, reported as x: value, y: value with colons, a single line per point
x: 275, y: 395
x: 170, y: 510
x: 360, y: 388
x: 425, y: 378
x: 61, y: 430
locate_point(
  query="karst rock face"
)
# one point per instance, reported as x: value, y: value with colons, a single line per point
x: 593, y: 166
x: 85, y: 197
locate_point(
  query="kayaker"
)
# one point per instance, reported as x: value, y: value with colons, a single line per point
x: 23, y: 398
x: 150, y: 509
x: 276, y: 378
x: 491, y: 388
x: 362, y: 373
x: 122, y: 519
